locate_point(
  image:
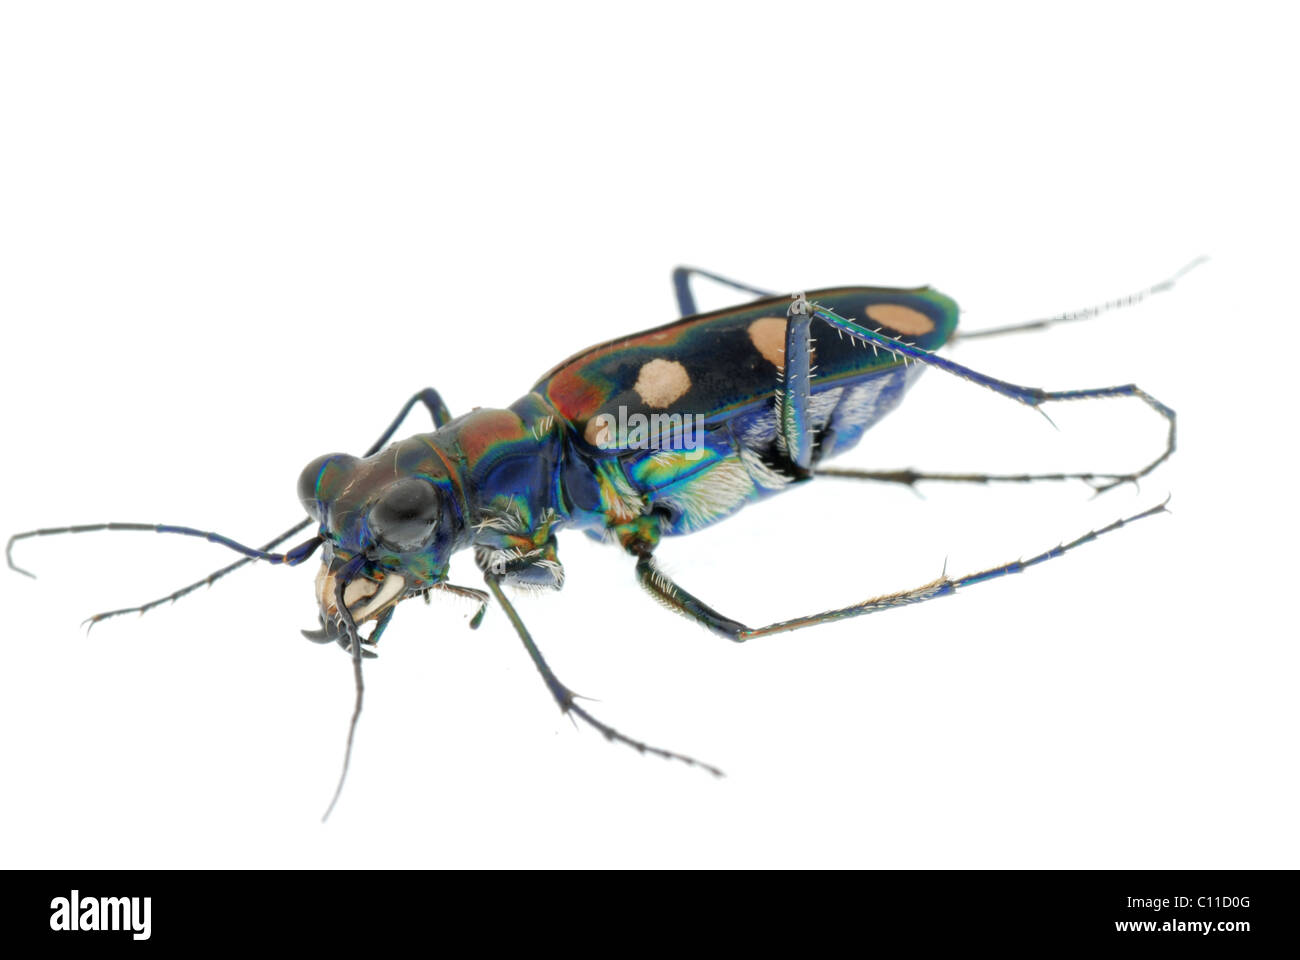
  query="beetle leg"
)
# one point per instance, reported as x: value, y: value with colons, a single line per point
x: 432, y: 402
x: 1033, y: 397
x: 794, y: 397
x: 662, y: 587
x: 566, y: 698
x: 1098, y: 481
x: 469, y: 593
x: 1087, y: 313
x: 686, y: 300
x: 910, y: 478
x: 524, y: 564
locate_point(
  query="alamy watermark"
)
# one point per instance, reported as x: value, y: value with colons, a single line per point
x: 75, y: 913
x: 649, y: 431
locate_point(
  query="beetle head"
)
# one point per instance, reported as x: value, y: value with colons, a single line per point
x: 388, y: 529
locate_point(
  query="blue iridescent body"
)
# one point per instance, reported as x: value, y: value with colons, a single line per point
x: 655, y: 434
x: 701, y: 396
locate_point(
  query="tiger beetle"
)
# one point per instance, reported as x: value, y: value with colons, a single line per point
x: 656, y: 434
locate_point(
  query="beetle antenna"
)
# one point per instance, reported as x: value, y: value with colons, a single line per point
x: 207, y: 581
x: 294, y: 557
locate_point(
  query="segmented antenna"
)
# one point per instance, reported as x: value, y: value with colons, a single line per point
x: 294, y: 557
x: 207, y: 581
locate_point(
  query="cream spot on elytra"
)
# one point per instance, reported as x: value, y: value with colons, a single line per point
x: 905, y: 320
x: 661, y: 382
x: 768, y: 337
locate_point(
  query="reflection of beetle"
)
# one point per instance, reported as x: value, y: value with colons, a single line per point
x: 728, y: 407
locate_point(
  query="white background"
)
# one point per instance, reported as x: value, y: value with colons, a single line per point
x: 236, y: 236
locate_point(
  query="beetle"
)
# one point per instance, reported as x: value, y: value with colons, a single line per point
x: 652, y: 435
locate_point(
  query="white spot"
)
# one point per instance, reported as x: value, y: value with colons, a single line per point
x: 660, y: 382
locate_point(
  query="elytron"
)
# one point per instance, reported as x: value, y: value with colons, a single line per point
x: 728, y: 407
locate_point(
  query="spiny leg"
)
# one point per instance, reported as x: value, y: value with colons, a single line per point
x: 910, y: 478
x: 1030, y: 396
x: 686, y: 299
x: 526, y: 565
x: 794, y: 395
x: 1087, y: 313
x: 662, y: 587
x: 792, y: 399
x: 793, y: 392
x: 673, y: 596
x: 438, y: 412
x: 468, y: 593
x: 566, y: 698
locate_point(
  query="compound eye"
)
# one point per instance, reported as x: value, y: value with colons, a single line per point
x: 406, y: 514
x: 319, y: 481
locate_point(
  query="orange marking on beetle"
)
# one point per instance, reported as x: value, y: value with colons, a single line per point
x: 905, y: 320
x: 491, y: 427
x: 574, y: 396
x: 768, y: 336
